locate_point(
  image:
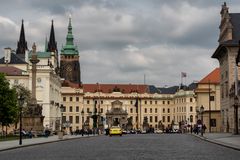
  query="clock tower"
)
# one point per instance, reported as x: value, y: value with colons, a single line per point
x: 69, y: 61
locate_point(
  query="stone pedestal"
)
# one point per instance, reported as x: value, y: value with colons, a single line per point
x: 34, y: 123
x: 32, y: 118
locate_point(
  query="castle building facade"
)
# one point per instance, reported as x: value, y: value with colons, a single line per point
x: 18, y: 70
x: 226, y: 53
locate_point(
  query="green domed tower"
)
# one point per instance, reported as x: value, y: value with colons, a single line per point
x: 69, y: 61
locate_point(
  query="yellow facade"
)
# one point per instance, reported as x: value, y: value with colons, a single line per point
x: 177, y: 107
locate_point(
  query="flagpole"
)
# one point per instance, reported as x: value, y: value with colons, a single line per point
x: 181, y: 79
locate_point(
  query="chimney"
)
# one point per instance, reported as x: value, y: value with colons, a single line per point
x: 7, y: 53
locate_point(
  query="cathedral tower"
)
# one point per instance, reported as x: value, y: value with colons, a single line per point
x: 69, y: 63
x: 22, y: 44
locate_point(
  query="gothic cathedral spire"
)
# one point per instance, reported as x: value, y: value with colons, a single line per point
x: 22, y: 44
x: 52, y: 44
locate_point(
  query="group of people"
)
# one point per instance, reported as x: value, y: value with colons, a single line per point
x: 86, y: 131
x: 198, y: 128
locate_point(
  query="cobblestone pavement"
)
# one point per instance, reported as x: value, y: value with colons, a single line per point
x: 127, y: 147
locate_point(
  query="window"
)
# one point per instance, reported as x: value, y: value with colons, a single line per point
x: 211, y: 98
x: 163, y: 118
x: 131, y: 102
x: 155, y: 102
x: 88, y: 110
x: 213, y: 123
x: 156, y: 119
x: 101, y: 102
x: 168, y: 110
x: 87, y: 101
x: 190, y: 99
x: 77, y: 109
x: 16, y: 81
x: 77, y: 119
x: 131, y: 110
x: 226, y: 91
x: 151, y: 119
x: 155, y: 110
x: 191, y: 108
x: 64, y: 119
x: 101, y: 110
x: 168, y: 118
x: 150, y: 102
x: 163, y: 110
x: 191, y: 118
x: 222, y: 91
x: 64, y: 109
x: 168, y: 102
x: 70, y: 119
x: 70, y: 98
x: 150, y: 110
x: 64, y: 99
x: 77, y: 99
x: 136, y: 118
x: 145, y: 102
x: 70, y: 109
x: 163, y: 102
x: 145, y: 110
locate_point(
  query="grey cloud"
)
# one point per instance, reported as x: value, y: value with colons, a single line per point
x: 169, y: 36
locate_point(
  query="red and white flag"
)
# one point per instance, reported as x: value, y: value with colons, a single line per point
x: 183, y: 74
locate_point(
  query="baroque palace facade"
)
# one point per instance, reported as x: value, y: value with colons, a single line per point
x: 140, y: 107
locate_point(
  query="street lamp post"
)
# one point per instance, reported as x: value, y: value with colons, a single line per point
x: 82, y: 113
x: 20, y: 102
x: 62, y: 110
x: 236, y: 114
x: 94, y: 117
x: 201, y: 111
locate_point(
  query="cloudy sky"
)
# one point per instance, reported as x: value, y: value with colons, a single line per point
x: 120, y: 41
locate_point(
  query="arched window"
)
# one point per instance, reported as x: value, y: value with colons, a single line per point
x: 191, y: 118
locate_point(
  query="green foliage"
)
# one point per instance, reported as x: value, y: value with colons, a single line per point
x: 24, y: 92
x: 8, y: 103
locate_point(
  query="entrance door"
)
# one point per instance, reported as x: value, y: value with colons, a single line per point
x: 116, y: 121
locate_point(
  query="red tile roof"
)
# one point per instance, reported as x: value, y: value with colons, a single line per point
x: 11, y: 71
x: 213, y: 77
x: 109, y: 88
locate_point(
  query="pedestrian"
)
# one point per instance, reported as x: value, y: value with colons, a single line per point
x: 204, y: 128
x: 30, y: 133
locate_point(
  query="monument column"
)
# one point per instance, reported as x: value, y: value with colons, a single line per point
x: 32, y: 116
x: 34, y: 60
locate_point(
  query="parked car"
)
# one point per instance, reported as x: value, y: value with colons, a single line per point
x: 115, y: 130
x: 143, y: 131
x: 158, y: 131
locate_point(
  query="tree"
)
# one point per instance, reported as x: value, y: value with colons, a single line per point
x: 8, y: 103
x: 26, y: 95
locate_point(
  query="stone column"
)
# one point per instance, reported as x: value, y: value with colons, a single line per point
x: 34, y: 60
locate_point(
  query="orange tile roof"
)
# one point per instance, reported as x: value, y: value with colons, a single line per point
x: 109, y: 88
x: 213, y: 77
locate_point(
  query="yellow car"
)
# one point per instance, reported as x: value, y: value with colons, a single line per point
x: 115, y: 130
